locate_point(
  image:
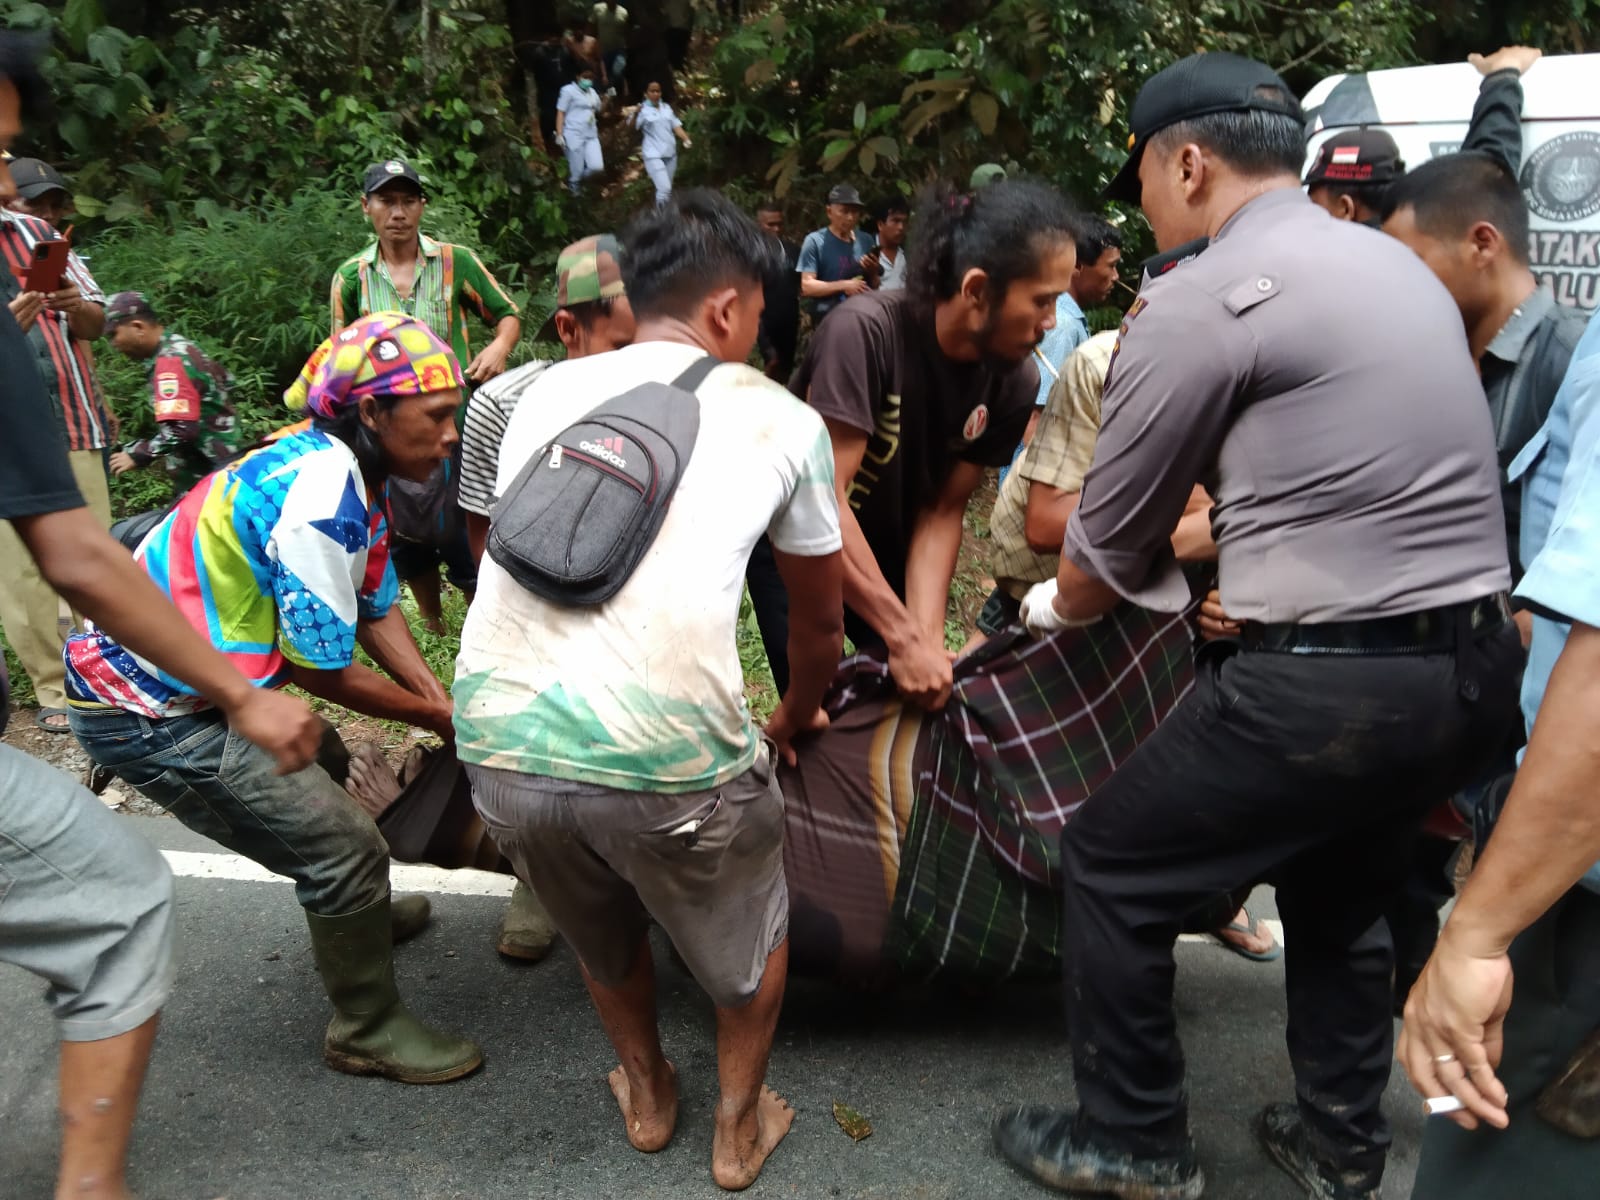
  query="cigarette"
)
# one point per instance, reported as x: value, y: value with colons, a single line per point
x: 1437, y: 1106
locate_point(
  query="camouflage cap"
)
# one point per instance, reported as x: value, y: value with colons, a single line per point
x: 589, y: 270
x: 128, y: 306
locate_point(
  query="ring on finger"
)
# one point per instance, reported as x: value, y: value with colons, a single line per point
x: 1444, y: 1058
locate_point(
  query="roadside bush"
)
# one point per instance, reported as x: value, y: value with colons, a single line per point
x: 251, y: 288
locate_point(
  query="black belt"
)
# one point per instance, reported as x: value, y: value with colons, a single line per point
x: 1430, y: 631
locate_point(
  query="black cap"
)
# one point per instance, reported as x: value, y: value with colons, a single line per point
x: 34, y: 178
x: 390, y: 169
x: 1354, y: 156
x: 843, y: 193
x: 1198, y: 86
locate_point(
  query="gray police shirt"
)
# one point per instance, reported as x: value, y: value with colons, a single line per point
x: 1315, y: 377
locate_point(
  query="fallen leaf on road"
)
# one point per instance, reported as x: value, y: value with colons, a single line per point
x: 852, y: 1122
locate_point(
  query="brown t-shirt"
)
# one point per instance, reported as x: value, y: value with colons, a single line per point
x: 875, y: 365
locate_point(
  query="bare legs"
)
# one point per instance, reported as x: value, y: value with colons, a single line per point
x: 751, y: 1119
x: 100, y: 1084
x: 430, y: 605
x: 644, y: 1083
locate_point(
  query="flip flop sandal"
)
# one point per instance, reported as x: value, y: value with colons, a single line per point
x: 42, y: 720
x: 1271, y: 955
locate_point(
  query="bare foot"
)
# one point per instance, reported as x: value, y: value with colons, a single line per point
x: 740, y: 1147
x: 371, y: 783
x: 649, y: 1120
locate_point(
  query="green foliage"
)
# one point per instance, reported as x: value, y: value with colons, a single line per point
x: 239, y: 105
x: 250, y: 287
x: 810, y: 91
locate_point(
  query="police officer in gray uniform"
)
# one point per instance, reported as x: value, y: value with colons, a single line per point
x: 1318, y: 383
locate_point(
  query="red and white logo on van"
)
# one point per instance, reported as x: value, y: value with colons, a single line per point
x: 977, y: 422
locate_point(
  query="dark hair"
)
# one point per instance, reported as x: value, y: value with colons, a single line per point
x: 1254, y: 143
x: 19, y: 62
x: 676, y: 255
x: 770, y: 206
x: 1449, y: 195
x: 1096, y: 235
x: 1003, y: 229
x: 1369, y: 195
x: 588, y: 312
x: 363, y: 443
x: 890, y: 204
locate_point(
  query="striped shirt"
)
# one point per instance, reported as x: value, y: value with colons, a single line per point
x: 64, y: 361
x: 488, y: 414
x: 450, y: 280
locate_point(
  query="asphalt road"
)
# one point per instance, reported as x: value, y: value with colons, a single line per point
x: 239, y: 1106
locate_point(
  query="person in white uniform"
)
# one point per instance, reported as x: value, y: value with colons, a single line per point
x: 656, y: 121
x: 578, y: 128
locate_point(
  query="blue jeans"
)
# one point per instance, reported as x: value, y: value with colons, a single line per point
x: 303, y: 826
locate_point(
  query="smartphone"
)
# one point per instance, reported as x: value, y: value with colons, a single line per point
x: 48, y: 266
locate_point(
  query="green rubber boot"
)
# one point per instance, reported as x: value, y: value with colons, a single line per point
x: 408, y: 916
x: 527, y: 932
x: 371, y: 1032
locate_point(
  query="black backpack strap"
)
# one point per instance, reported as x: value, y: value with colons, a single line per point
x: 691, y: 379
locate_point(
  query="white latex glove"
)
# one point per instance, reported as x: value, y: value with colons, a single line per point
x: 561, y: 141
x: 1039, y: 611
x: 688, y: 143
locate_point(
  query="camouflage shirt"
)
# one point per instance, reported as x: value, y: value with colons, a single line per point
x: 195, y: 429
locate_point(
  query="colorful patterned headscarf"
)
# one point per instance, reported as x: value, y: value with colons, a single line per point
x: 382, y: 354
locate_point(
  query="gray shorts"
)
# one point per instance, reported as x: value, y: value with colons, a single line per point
x: 85, y: 902
x: 708, y: 866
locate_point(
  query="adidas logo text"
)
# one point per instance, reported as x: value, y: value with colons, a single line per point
x: 607, y: 449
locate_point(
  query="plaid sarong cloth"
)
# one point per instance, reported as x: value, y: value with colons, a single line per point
x: 1032, y: 729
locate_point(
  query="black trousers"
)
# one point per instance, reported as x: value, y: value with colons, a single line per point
x: 1555, y: 1005
x: 1311, y: 772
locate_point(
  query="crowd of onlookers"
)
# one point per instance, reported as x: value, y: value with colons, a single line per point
x: 1343, y: 517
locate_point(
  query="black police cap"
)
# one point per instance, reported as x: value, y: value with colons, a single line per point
x: 1198, y: 86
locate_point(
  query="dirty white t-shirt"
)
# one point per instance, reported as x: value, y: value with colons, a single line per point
x: 645, y: 692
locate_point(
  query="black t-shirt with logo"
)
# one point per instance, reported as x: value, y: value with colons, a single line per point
x: 875, y: 365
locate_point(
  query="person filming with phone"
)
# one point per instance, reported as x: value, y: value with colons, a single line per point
x: 60, y: 308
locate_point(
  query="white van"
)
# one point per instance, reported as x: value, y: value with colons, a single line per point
x: 1426, y: 111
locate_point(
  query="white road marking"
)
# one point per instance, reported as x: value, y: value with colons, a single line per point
x: 413, y: 877
x: 404, y: 877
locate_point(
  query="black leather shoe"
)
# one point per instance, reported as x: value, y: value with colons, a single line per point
x: 1283, y: 1136
x: 1041, y: 1143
